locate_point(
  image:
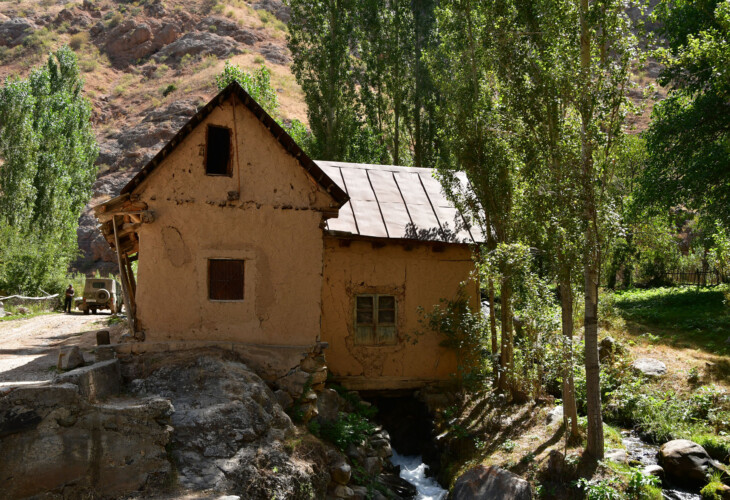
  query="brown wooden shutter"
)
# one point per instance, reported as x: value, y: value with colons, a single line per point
x: 225, y: 279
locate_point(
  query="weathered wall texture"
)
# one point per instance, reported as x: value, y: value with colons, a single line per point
x: 417, y: 277
x: 53, y: 441
x: 274, y: 226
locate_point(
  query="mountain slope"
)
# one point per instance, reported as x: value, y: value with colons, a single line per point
x: 148, y: 66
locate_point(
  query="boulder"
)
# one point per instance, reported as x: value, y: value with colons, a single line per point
x: 360, y: 493
x: 227, y: 27
x: 70, y: 358
x: 342, y: 492
x: 555, y: 415
x: 486, y: 483
x: 398, y: 486
x: 653, y: 470
x: 15, y: 30
x: 340, y: 473
x: 283, y: 398
x: 328, y: 405
x: 372, y: 465
x: 686, y: 461
x: 280, y: 10
x: 275, y: 53
x: 294, y: 382
x: 650, y: 367
x: 76, y: 20
x: 198, y: 44
x: 131, y: 41
x: 229, y: 429
x: 618, y: 456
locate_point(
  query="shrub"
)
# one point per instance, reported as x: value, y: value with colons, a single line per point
x: 349, y: 428
x: 606, y: 489
x: 115, y: 19
x: 88, y: 65
x: 78, y: 40
x: 186, y: 60
x: 714, y: 489
x: 160, y: 71
x: 169, y: 89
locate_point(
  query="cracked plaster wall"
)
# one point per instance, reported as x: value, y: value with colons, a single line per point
x: 417, y: 277
x: 272, y: 222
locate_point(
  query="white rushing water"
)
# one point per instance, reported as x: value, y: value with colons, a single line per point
x: 413, y: 470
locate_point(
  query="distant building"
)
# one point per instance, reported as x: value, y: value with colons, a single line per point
x: 241, y: 238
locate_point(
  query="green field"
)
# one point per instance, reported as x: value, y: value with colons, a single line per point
x: 689, y: 316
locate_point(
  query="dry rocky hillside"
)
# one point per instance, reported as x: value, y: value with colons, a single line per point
x: 148, y: 66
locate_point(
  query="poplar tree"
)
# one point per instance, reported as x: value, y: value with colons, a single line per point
x: 47, y: 155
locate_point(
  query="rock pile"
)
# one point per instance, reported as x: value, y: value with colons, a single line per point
x: 230, y: 434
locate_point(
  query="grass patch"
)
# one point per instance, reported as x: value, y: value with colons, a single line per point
x: 698, y: 317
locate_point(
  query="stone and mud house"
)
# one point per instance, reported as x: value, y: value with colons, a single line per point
x: 243, y: 241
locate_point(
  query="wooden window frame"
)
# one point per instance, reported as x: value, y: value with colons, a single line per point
x: 243, y: 280
x: 376, y: 325
x: 229, y: 165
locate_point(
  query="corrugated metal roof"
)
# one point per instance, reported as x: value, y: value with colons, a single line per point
x: 388, y: 201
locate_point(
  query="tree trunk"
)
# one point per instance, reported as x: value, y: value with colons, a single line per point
x: 493, y: 331
x: 506, y: 355
x: 594, y: 446
x: 570, y: 410
x: 593, y: 384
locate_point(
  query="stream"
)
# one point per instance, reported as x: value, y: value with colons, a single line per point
x: 646, y: 453
x: 413, y: 470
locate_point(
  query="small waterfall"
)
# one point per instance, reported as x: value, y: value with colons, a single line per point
x: 413, y: 470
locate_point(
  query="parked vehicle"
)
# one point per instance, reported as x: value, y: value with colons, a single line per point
x: 100, y: 293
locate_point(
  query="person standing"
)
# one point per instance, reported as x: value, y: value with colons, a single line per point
x: 69, y: 299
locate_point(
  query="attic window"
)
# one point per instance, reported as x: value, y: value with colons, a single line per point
x: 375, y: 320
x: 225, y: 279
x: 218, y: 151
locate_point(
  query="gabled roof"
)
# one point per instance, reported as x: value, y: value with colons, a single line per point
x: 276, y: 130
x: 395, y: 202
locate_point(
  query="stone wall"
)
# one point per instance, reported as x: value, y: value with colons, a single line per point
x: 57, y: 443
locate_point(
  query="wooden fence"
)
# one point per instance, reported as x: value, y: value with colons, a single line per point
x: 697, y: 278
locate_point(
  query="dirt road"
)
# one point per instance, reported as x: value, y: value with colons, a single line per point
x: 29, y: 347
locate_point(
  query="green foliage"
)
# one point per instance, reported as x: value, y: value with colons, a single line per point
x: 689, y: 135
x: 642, y: 486
x: 605, y: 489
x: 715, y: 488
x: 169, y: 90
x: 349, y: 428
x: 257, y: 84
x: 697, y: 316
x: 465, y: 332
x: 369, y: 96
x: 48, y: 151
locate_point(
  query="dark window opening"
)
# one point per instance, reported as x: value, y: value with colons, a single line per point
x: 218, y: 151
x: 375, y: 320
x: 225, y: 279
